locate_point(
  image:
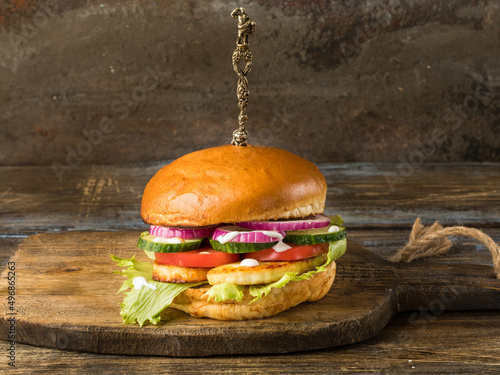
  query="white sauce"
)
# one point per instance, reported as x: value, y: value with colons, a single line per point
x: 249, y: 262
x: 228, y: 237
x: 168, y: 240
x: 281, y: 246
x: 140, y: 282
x: 272, y: 234
x: 333, y: 228
x: 231, y: 235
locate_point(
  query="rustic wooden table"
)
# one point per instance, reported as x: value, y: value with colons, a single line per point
x: 379, y: 203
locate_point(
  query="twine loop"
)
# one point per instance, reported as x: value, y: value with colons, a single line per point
x: 433, y: 240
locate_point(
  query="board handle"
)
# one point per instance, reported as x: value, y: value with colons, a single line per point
x: 439, y: 287
x: 436, y: 287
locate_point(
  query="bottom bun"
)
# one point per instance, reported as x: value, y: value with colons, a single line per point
x: 194, y: 301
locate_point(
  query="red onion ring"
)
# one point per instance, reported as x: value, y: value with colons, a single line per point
x: 319, y: 221
x: 246, y: 235
x: 185, y: 233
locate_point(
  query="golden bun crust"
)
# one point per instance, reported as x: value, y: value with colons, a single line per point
x: 194, y: 301
x: 228, y: 184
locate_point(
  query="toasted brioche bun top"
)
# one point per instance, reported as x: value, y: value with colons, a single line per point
x: 229, y: 184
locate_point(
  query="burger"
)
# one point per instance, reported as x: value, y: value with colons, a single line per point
x: 235, y: 233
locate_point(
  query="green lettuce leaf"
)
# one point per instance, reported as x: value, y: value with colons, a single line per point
x: 146, y: 304
x: 336, y: 220
x: 221, y: 292
x: 141, y: 305
x: 336, y: 250
x: 134, y: 269
x: 260, y: 291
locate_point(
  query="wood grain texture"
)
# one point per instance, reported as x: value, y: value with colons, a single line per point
x: 449, y: 342
x: 95, y: 196
x: 468, y: 346
x: 67, y: 299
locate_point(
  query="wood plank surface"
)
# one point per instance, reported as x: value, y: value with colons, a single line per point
x: 93, y: 197
x: 452, y: 342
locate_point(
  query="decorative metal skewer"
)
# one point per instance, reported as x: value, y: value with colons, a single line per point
x: 246, y: 27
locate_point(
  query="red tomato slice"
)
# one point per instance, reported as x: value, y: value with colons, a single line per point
x: 205, y: 257
x: 297, y: 252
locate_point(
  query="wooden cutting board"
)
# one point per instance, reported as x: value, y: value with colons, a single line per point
x: 66, y: 298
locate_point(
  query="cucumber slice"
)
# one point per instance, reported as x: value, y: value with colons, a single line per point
x: 146, y: 243
x: 314, y: 236
x: 241, y: 247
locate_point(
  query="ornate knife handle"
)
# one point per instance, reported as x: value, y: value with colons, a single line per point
x: 246, y: 27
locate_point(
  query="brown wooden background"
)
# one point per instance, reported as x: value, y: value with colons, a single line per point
x: 395, y: 81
